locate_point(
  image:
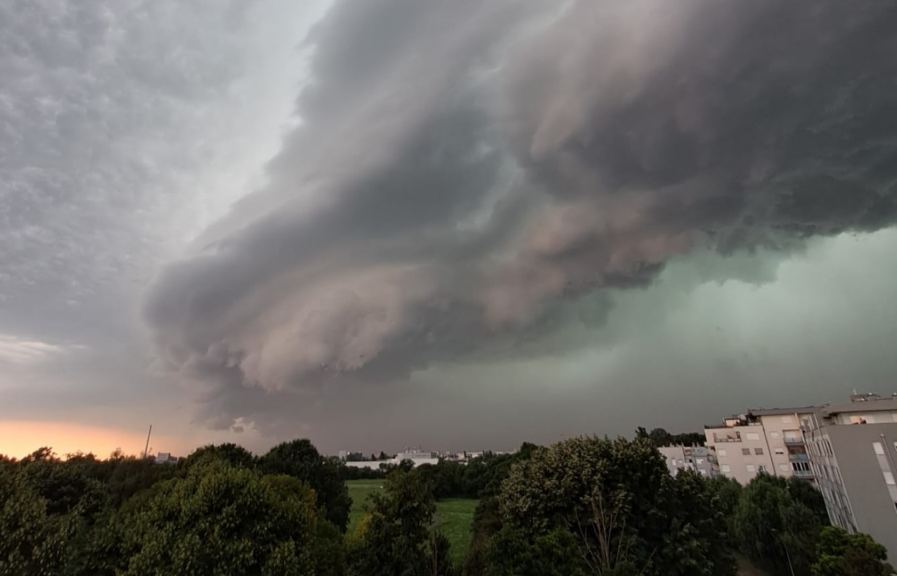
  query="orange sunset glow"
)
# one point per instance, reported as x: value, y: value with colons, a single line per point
x: 19, y: 439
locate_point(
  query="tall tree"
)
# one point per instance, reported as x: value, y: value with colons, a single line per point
x: 775, y: 529
x: 843, y: 554
x: 620, y: 504
x: 222, y: 520
x: 395, y: 538
x: 233, y: 454
x: 300, y: 459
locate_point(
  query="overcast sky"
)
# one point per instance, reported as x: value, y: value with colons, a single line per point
x: 456, y: 224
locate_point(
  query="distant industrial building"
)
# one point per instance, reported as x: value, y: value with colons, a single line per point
x: 853, y: 451
x: 696, y: 458
x: 761, y: 441
x: 416, y: 457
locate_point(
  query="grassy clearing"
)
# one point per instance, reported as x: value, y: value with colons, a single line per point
x: 454, y: 516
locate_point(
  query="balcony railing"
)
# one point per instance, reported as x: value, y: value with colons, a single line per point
x: 794, y: 441
x: 727, y: 438
x: 798, y: 457
x: 803, y: 473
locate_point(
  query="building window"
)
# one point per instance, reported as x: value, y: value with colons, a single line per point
x: 879, y: 449
x: 700, y: 460
x: 758, y: 451
x: 780, y: 451
x: 751, y: 468
x: 786, y: 420
x: 774, y: 435
x: 721, y: 452
x: 752, y: 436
x: 889, y: 478
x: 745, y: 451
x: 725, y: 468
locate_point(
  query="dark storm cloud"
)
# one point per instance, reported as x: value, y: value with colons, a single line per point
x: 464, y: 169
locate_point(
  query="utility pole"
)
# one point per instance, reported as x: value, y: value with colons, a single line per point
x: 146, y: 448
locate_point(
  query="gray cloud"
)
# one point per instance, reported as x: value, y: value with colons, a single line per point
x: 125, y: 128
x: 467, y: 172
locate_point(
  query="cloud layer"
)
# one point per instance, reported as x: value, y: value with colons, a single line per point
x: 466, y: 172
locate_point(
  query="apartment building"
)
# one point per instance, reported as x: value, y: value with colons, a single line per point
x: 697, y: 458
x: 853, y: 451
x: 761, y: 441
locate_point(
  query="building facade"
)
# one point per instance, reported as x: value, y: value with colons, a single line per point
x: 416, y: 457
x: 698, y: 459
x: 761, y: 441
x: 853, y: 454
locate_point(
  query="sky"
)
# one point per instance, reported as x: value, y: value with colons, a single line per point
x: 460, y: 225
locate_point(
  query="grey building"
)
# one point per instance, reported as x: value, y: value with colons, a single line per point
x: 853, y: 451
x: 697, y: 458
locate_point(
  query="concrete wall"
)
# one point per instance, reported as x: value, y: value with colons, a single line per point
x: 861, y: 473
x: 733, y: 462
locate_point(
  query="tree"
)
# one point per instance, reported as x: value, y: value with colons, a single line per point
x: 775, y: 529
x: 394, y: 539
x: 617, y: 500
x: 302, y: 460
x: 843, y: 554
x: 554, y: 553
x: 222, y: 520
x: 727, y: 492
x: 233, y: 454
x: 32, y: 542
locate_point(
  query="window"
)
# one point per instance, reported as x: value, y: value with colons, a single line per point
x: 780, y: 451
x: 758, y: 451
x: 786, y: 420
x: 753, y: 436
x: 721, y: 452
x: 700, y: 460
x: 879, y: 449
x: 889, y: 478
x: 745, y: 451
x: 751, y: 468
x: 725, y: 468
x: 763, y: 469
x: 774, y: 435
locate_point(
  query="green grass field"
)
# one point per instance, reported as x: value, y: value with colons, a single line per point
x: 454, y: 517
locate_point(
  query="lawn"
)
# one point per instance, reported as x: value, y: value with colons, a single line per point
x: 454, y: 517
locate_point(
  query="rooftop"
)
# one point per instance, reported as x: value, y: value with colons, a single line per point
x: 781, y: 411
x: 875, y: 405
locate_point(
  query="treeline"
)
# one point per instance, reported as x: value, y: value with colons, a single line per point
x: 586, y: 506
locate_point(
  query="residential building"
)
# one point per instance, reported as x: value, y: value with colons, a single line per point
x: 853, y: 451
x: 761, y: 441
x: 697, y: 458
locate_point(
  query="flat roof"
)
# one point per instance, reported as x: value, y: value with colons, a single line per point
x: 883, y: 405
x: 782, y: 411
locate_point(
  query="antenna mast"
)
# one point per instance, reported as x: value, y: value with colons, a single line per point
x: 146, y: 448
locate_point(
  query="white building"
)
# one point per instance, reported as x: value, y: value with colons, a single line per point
x: 416, y: 457
x: 698, y: 459
x: 761, y: 441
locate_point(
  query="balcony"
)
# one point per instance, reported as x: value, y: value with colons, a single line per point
x: 736, y: 437
x: 798, y: 458
x: 794, y: 441
x: 803, y: 473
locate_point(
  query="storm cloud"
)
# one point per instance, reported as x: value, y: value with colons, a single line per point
x: 466, y: 173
